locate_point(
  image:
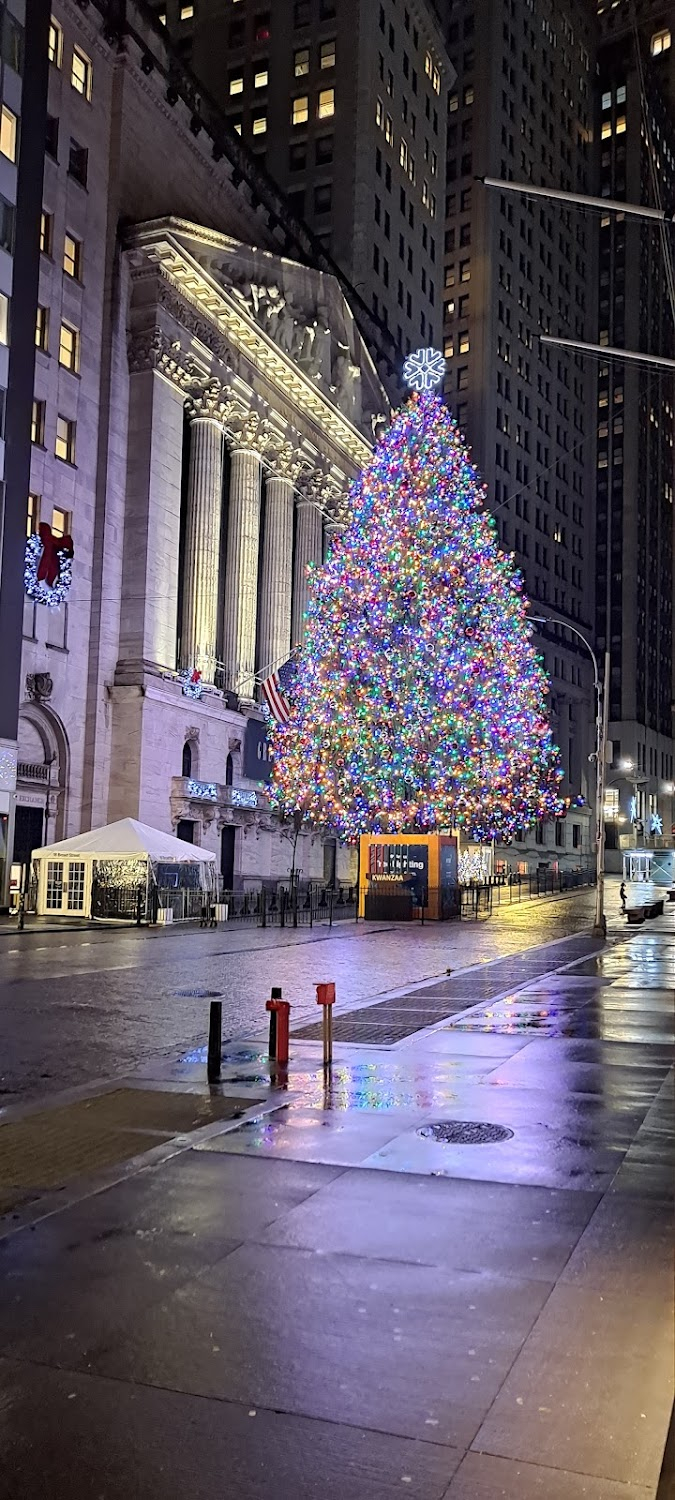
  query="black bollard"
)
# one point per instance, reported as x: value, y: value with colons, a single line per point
x: 215, y: 1040
x: 275, y: 995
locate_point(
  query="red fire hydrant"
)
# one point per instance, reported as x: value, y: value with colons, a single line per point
x: 325, y: 997
x: 280, y: 1011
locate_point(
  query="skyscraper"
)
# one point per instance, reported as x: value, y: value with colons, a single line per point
x: 346, y: 103
x: 635, y: 454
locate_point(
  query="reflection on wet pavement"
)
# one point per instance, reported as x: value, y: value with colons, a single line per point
x: 572, y: 1065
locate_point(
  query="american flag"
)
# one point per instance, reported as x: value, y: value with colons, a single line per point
x: 278, y: 688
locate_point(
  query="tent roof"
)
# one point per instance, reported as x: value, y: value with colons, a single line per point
x: 127, y: 837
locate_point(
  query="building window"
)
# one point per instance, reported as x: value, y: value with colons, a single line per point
x: 72, y: 257
x: 8, y: 125
x: 560, y: 833
x: 297, y: 157
x: 261, y: 78
x: 301, y: 62
x: 300, y: 110
x: 46, y: 232
x: 660, y: 42
x: 237, y: 84
x: 261, y: 28
x: 186, y: 763
x: 52, y: 137
x: 32, y: 515
x: 77, y: 162
x: 259, y: 124
x: 12, y: 42
x: 464, y: 343
x: 323, y: 150
x: 465, y: 270
x: 42, y: 328
x: 60, y: 522
x: 463, y: 377
x: 69, y: 348
x: 4, y: 319
x: 576, y: 835
x: 37, y: 424
x: 81, y: 73
x: 229, y: 771
x: 323, y: 197
x: 186, y: 12
x: 64, y: 446
x: 326, y: 103
x: 327, y: 54
x: 7, y: 214
x: 55, y: 46
x: 468, y: 94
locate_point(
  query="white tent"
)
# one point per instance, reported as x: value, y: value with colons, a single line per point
x: 127, y: 858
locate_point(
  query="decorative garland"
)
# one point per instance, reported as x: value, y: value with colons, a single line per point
x: 191, y: 679
x: 48, y: 567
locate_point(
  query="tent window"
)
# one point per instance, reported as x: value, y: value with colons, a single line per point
x: 187, y: 759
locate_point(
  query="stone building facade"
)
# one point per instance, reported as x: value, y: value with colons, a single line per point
x: 201, y: 407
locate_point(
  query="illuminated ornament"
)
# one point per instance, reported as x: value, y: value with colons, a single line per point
x: 424, y: 369
x: 632, y: 809
x: 655, y: 823
x: 191, y: 679
x: 419, y: 701
x: 48, y: 567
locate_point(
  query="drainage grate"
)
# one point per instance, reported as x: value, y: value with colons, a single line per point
x: 465, y: 1133
x: 389, y: 1021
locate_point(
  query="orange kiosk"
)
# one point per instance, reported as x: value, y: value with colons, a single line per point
x: 425, y: 864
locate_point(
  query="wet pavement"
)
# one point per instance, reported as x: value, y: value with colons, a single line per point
x: 323, y: 1300
x: 92, y: 1004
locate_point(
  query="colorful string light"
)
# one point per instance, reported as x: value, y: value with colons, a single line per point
x: 419, y: 702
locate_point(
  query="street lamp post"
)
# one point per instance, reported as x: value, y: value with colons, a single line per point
x: 601, y: 726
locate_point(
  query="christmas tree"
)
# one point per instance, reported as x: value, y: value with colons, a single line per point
x: 419, y: 701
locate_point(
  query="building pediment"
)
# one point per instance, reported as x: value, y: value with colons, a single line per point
x: 292, y: 322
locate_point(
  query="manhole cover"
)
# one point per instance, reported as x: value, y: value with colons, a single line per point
x: 465, y: 1132
x: 198, y: 994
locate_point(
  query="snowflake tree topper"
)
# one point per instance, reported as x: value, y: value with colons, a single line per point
x: 424, y: 369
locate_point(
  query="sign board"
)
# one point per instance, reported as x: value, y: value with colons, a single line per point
x: 257, y: 762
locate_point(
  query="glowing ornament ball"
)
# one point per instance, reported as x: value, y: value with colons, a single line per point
x: 419, y: 701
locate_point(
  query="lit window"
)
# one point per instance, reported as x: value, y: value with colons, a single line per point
x: 259, y: 124
x: 237, y: 85
x: 300, y: 110
x: 660, y: 42
x: 8, y: 125
x: 69, y: 348
x: 326, y: 103
x: 379, y: 113
x: 468, y: 94
x: 403, y: 154
x: 37, y: 423
x: 187, y: 12
x: 453, y: 103
x: 42, y: 328
x: 60, y: 522
x: 449, y: 346
x: 607, y: 100
x: 55, y: 48
x: 162, y: 18
x: 4, y: 319
x: 327, y: 54
x: 464, y: 344
x: 606, y: 129
x: 621, y: 124
x: 32, y: 515
x: 72, y: 257
x: 46, y: 232
x: 301, y: 62
x: 261, y: 79
x: 236, y: 125
x: 81, y: 73
x: 64, y: 446
x: 389, y: 130
x: 465, y: 270
x: 621, y: 94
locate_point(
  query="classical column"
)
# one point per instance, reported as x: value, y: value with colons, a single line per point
x: 202, y: 538
x: 308, y: 549
x: 274, y: 620
x: 333, y: 527
x: 241, y: 578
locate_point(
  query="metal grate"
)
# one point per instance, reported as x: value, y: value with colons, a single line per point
x: 465, y: 1133
x: 386, y: 1022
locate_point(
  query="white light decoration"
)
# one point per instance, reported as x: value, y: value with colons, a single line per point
x: 242, y: 798
x: 424, y: 369
x: 40, y: 589
x: 207, y: 791
x: 191, y: 680
x: 655, y: 823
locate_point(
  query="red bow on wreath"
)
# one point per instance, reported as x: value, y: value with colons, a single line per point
x: 49, y: 566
